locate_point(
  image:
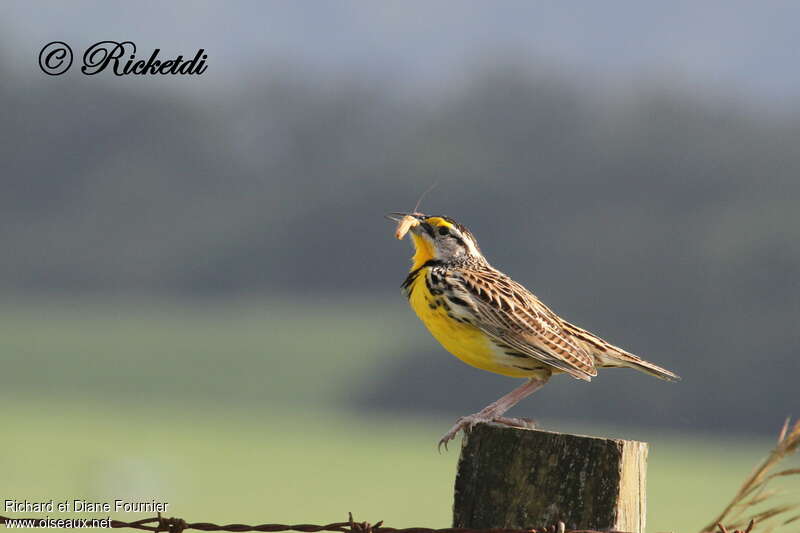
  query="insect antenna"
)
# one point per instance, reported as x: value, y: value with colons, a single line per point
x: 423, y: 195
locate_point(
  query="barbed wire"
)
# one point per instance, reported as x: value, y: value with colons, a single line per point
x: 159, y: 524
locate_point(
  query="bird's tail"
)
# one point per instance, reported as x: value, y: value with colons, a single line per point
x: 609, y: 355
x: 647, y: 367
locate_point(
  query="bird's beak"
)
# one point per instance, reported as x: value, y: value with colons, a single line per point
x: 394, y: 217
x: 397, y: 217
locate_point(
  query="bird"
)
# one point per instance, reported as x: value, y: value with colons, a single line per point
x: 493, y: 323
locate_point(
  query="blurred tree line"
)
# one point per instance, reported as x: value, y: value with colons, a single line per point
x: 664, y: 219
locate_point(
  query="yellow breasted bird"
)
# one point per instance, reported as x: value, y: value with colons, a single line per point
x: 491, y: 322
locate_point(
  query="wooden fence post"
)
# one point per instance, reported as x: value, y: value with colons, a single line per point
x: 521, y: 478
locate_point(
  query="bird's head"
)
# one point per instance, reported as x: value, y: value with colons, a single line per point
x: 436, y: 237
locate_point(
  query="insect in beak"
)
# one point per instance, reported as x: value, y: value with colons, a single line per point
x: 405, y: 221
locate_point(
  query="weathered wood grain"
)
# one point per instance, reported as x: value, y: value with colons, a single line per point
x: 521, y: 478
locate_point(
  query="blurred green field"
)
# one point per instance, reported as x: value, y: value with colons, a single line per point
x: 237, y: 352
x: 227, y: 416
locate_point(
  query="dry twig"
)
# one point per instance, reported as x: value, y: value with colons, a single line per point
x: 754, y: 491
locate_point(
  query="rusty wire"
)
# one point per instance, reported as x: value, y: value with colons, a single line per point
x: 160, y: 524
x: 723, y: 529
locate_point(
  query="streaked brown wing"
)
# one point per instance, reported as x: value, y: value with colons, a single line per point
x: 510, y: 314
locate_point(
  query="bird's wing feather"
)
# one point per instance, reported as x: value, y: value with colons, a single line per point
x: 509, y: 314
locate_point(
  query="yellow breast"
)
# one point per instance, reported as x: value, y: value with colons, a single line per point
x: 465, y: 341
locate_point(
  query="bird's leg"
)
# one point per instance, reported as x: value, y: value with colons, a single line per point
x: 495, y: 410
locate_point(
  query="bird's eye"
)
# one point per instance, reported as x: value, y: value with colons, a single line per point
x: 443, y: 230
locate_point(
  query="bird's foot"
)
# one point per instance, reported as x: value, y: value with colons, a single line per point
x: 466, y: 423
x: 524, y: 423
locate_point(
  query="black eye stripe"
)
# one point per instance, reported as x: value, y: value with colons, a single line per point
x: 444, y: 230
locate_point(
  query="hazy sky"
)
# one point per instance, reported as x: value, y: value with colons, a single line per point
x: 746, y: 48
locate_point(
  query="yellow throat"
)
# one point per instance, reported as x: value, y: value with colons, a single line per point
x: 465, y: 341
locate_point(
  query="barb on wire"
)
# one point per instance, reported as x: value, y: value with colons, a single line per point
x: 723, y: 529
x: 159, y: 524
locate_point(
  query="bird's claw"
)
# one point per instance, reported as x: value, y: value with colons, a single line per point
x: 466, y: 423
